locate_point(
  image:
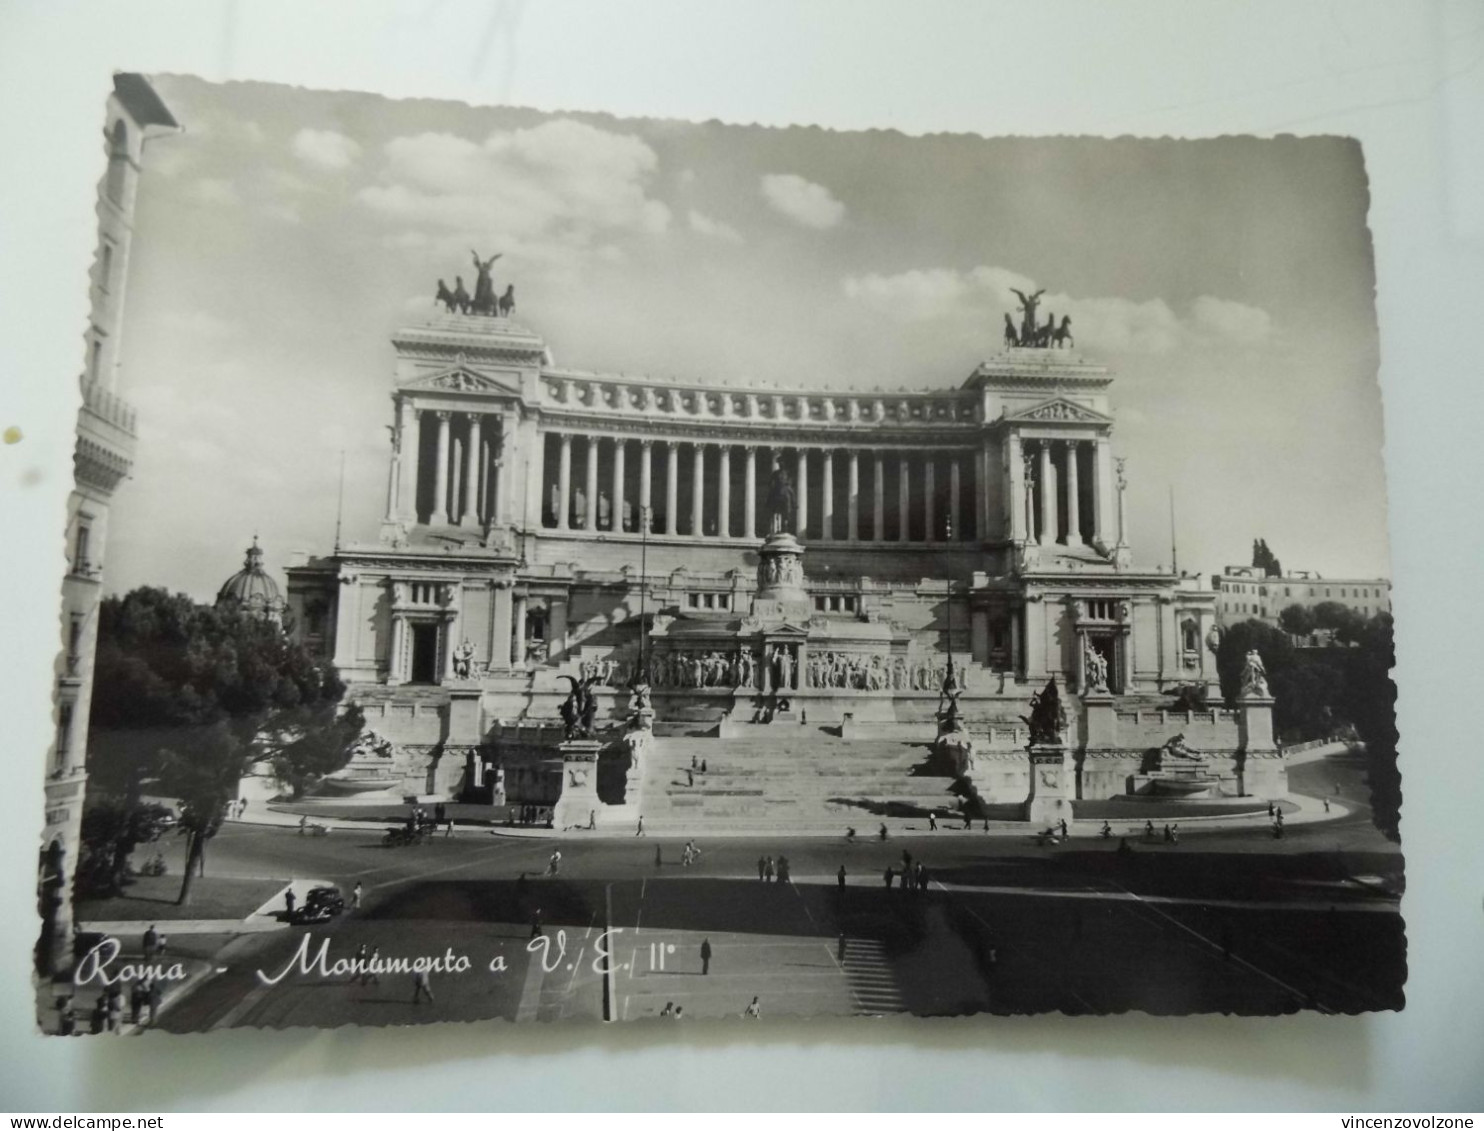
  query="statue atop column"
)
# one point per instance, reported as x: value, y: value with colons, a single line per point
x: 780, y: 501
x: 1254, y: 677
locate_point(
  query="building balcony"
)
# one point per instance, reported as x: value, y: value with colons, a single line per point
x: 109, y: 408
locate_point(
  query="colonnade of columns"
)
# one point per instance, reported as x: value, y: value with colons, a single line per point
x: 1065, y: 486
x: 849, y: 498
x: 468, y: 486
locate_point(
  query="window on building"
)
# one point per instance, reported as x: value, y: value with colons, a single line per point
x: 64, y: 736
x: 74, y: 643
x: 80, y: 561
x: 105, y: 267
x: 95, y: 359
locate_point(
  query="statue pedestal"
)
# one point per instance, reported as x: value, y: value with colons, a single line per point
x: 1053, y: 785
x: 464, y: 720
x: 578, y: 803
x: 780, y: 580
x: 1264, y: 770
x: 1102, y: 719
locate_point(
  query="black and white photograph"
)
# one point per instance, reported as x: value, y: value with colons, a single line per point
x: 551, y: 566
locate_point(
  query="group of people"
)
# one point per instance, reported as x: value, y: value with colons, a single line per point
x: 773, y: 871
x: 235, y: 809
x: 107, y: 1014
x: 542, y: 815
x: 912, y: 878
x: 603, y: 672
x: 1170, y: 835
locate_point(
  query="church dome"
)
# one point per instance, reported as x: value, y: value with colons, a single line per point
x: 251, y: 589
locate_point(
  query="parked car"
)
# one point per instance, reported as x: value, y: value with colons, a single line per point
x: 320, y: 905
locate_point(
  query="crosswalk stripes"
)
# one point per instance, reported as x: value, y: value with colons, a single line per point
x: 869, y: 973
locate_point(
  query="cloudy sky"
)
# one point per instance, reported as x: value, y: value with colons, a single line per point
x: 285, y: 234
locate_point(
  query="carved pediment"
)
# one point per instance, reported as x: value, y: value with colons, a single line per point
x: 463, y: 379
x: 1059, y: 410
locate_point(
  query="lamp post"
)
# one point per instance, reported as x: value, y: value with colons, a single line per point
x: 948, y: 587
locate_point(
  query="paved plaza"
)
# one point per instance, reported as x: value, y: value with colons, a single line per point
x: 1228, y: 919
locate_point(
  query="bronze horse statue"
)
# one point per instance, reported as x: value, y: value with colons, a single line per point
x: 1063, y: 333
x: 506, y: 301
x: 1011, y: 337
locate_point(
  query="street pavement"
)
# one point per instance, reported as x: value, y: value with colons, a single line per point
x: 1228, y: 919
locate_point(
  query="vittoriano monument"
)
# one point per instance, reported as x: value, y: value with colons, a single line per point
x: 631, y: 563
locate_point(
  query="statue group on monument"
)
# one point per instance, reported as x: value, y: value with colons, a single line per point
x: 1095, y: 664
x: 1048, y: 718
x: 579, y: 710
x: 1035, y: 335
x: 484, y: 300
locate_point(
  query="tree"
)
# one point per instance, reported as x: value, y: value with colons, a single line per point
x: 1346, y: 624
x: 1297, y: 620
x: 111, y: 830
x: 312, y: 743
x: 187, y: 695
x: 204, y: 774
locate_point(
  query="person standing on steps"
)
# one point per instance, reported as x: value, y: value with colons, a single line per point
x: 705, y: 956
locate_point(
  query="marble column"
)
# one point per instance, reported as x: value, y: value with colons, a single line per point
x: 518, y: 633
x: 929, y: 489
x: 878, y: 501
x: 955, y: 518
x: 1015, y: 470
x: 724, y: 488
x: 564, y: 483
x: 749, y: 495
x: 502, y: 626
x: 801, y: 495
x: 672, y: 486
x: 1102, y: 490
x: 620, y: 446
x: 393, y: 473
x: 590, y: 515
x: 1048, y: 497
x: 697, y: 490
x: 1074, y: 503
x: 904, y: 500
x: 455, y: 479
x: 646, y: 483
x: 853, y: 498
x: 440, y: 476
x: 495, y: 478
x: 471, y: 514
x: 411, y: 460
x: 827, y: 496
x: 982, y: 472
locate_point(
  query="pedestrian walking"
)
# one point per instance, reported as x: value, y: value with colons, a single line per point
x: 906, y: 861
x: 1148, y: 830
x: 932, y: 820
x: 669, y: 1010
x: 137, y: 997
x: 840, y: 948
x: 154, y: 999
x: 705, y: 956
x: 659, y: 857
x: 358, y: 966
x: 592, y: 819
x: 355, y: 896
x: 685, y: 856
x: 767, y: 870
x: 1106, y: 831
x: 115, y: 1007
x: 1270, y: 810
x: 703, y: 765
x: 536, y: 923
x: 693, y: 762
x: 1063, y: 823
x: 922, y: 877
x: 1175, y: 833
x: 241, y: 811
x: 420, y: 988
x: 762, y: 869
x: 554, y: 864
x: 640, y: 830
x: 883, y: 833
x: 840, y: 879
x: 288, y: 902
x: 887, y: 876
x: 679, y: 1012
x: 783, y: 877
x: 448, y: 828
x: 151, y: 942
x: 754, y: 1010
x: 1326, y: 804
x: 369, y: 975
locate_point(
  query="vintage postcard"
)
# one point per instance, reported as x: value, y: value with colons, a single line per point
x: 538, y: 566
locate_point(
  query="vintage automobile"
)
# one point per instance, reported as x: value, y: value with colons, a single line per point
x: 320, y: 905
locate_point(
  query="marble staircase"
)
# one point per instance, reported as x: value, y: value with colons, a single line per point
x: 790, y: 777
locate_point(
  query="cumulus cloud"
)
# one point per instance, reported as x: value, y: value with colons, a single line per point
x: 803, y: 202
x: 704, y: 225
x: 1116, y: 325
x: 561, y: 182
x: 325, y: 149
